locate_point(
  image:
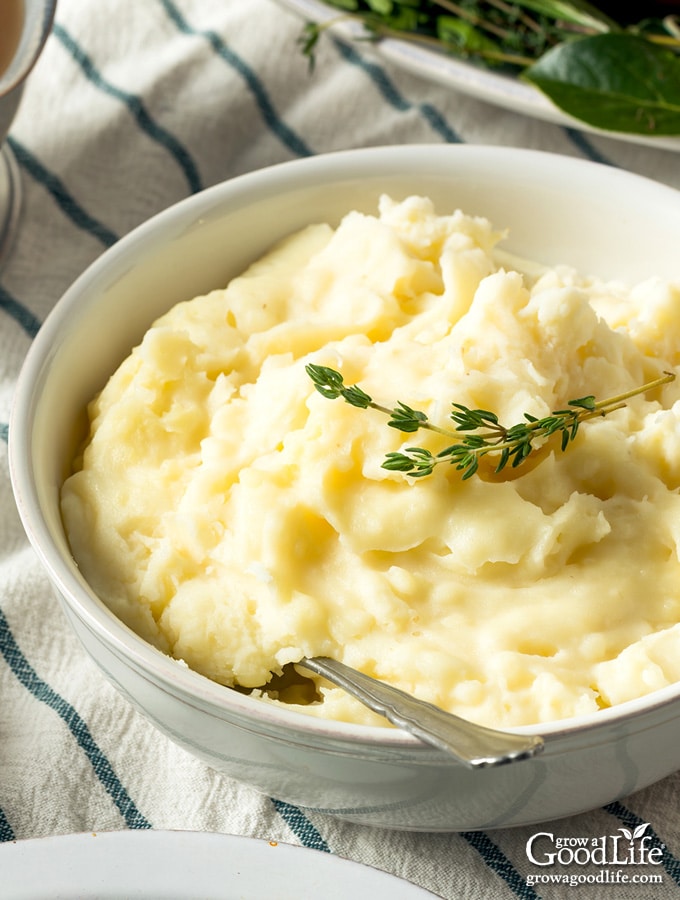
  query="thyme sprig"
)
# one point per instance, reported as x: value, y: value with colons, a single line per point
x: 478, y: 432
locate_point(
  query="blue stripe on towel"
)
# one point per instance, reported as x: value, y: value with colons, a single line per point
x: 23, y: 316
x: 492, y: 855
x: 581, y: 142
x: 4, y: 431
x: 271, y: 118
x: 137, y: 109
x: 6, y: 831
x: 68, y: 205
x: 390, y: 93
x: 28, y: 677
x: 300, y: 825
x: 498, y: 862
x: 631, y: 820
x: 433, y: 116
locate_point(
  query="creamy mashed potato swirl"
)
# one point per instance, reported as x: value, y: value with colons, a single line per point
x: 239, y: 521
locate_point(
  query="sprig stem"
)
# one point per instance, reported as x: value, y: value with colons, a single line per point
x: 478, y: 432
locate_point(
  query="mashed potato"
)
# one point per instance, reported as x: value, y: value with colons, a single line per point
x: 239, y: 521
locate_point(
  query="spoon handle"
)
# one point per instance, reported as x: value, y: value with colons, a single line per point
x: 473, y: 745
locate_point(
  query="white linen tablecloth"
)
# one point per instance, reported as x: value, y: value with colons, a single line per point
x: 132, y: 107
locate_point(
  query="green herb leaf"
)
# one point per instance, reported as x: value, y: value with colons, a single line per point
x: 584, y: 402
x: 617, y: 82
x: 405, y: 419
x: 330, y: 384
x: 462, y: 35
x: 349, y: 5
x: 577, y: 12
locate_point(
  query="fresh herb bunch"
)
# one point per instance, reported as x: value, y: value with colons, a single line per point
x: 611, y: 73
x: 477, y: 431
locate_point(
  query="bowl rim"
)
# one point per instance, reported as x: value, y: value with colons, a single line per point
x: 166, y: 672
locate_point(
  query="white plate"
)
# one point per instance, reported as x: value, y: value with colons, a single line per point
x: 185, y: 865
x: 501, y: 90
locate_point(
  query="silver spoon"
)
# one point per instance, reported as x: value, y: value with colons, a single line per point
x: 473, y: 745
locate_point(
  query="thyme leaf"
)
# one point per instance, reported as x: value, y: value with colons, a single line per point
x: 477, y: 432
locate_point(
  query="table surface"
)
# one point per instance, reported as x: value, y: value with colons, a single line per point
x: 132, y: 107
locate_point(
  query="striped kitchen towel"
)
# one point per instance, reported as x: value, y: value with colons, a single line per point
x: 132, y: 107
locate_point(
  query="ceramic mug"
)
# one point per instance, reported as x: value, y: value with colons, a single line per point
x: 24, y: 27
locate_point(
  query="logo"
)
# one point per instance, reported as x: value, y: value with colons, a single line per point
x: 596, y: 860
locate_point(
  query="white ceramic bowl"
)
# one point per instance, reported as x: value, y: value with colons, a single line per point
x: 600, y: 219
